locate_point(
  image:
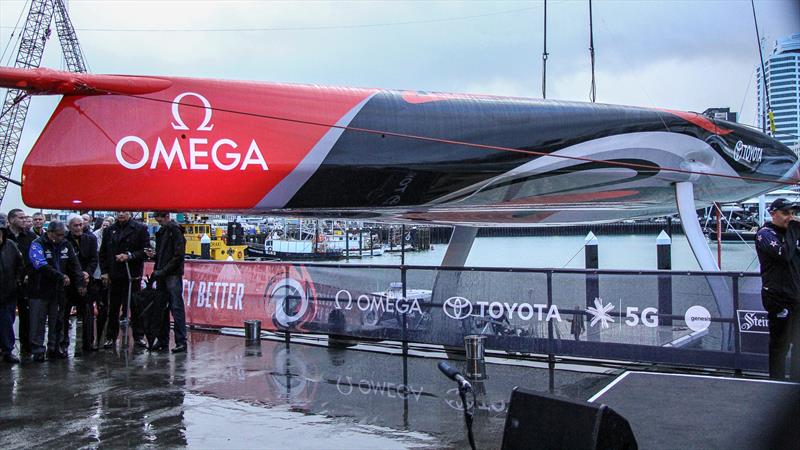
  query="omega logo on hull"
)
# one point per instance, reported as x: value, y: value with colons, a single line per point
x: 134, y: 153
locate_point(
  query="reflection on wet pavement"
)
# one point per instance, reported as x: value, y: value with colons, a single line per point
x: 224, y: 394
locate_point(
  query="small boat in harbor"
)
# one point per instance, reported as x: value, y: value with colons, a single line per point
x: 356, y: 245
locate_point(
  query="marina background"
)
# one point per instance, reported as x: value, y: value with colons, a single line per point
x: 630, y: 252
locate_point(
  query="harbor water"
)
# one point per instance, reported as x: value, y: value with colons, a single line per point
x: 624, y: 252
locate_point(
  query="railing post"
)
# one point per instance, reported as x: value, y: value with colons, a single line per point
x: 286, y: 335
x: 737, y: 345
x: 405, y: 310
x: 551, y: 357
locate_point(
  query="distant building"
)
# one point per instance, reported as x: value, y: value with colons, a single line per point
x: 783, y: 81
x: 721, y: 114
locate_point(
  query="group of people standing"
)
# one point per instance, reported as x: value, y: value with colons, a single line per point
x: 46, y: 271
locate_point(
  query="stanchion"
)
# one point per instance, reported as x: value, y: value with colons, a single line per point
x: 476, y: 363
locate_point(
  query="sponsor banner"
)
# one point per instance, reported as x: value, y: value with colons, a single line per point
x: 751, y: 321
x: 227, y: 294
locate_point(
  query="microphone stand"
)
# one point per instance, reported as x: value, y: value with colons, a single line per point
x: 469, y: 412
x: 463, y: 388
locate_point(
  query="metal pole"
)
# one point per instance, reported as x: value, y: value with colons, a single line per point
x: 403, y: 246
x: 551, y: 357
x: 719, y: 235
x: 346, y: 242
x: 664, y: 257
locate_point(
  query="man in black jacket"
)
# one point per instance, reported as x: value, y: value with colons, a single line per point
x: 777, y: 248
x: 168, y: 272
x: 54, y: 267
x: 85, y: 246
x: 23, y: 238
x: 121, y: 264
x: 11, y: 268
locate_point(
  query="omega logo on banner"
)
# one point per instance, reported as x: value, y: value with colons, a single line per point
x: 133, y: 152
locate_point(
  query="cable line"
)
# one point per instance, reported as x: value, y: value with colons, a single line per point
x: 383, y: 133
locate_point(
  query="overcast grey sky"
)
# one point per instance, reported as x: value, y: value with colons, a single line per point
x: 687, y: 55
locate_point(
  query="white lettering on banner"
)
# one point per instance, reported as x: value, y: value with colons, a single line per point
x: 188, y: 287
x: 364, y: 302
x: 129, y: 148
x: 217, y: 295
x: 345, y: 386
x: 648, y: 317
x: 482, y: 404
x: 459, y: 308
x: 497, y: 310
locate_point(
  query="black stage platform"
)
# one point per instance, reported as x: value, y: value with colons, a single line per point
x: 690, y: 411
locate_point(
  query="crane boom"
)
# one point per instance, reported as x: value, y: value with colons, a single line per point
x: 35, y: 34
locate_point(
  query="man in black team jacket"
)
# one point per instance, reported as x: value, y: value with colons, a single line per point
x: 85, y: 246
x: 11, y: 266
x: 777, y: 248
x: 168, y: 272
x: 121, y: 264
x: 54, y: 267
x: 23, y: 238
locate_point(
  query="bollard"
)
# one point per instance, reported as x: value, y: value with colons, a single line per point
x: 205, y: 247
x: 476, y: 365
x: 252, y: 331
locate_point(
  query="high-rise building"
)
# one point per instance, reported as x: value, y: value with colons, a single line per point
x: 783, y: 81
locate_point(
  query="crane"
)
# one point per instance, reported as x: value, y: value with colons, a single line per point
x: 34, y: 37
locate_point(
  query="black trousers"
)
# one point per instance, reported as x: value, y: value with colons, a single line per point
x: 119, y: 304
x: 784, y: 333
x: 84, y: 304
x: 101, y: 299
x: 47, y: 314
x: 24, y: 313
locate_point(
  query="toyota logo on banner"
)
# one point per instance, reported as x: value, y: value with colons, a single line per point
x: 457, y: 308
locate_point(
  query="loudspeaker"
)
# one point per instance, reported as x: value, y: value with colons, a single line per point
x: 544, y: 421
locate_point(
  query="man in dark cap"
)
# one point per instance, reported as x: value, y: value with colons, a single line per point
x: 778, y: 253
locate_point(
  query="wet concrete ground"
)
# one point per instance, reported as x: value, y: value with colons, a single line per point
x: 224, y: 394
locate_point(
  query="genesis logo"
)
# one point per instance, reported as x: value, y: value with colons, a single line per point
x: 457, y: 308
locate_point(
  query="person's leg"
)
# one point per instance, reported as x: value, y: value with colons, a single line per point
x: 175, y: 291
x: 778, y: 344
x: 37, y: 317
x: 163, y: 334
x: 55, y: 324
x: 7, y: 339
x: 23, y: 310
x: 102, y: 312
x: 137, y: 323
x: 119, y: 290
x: 794, y: 338
x: 86, y: 311
x: 68, y: 304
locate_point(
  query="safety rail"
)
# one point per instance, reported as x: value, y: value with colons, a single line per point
x: 686, y: 318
